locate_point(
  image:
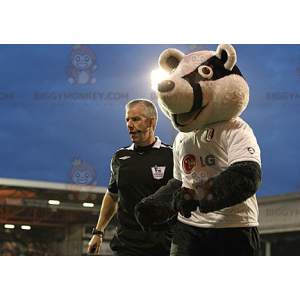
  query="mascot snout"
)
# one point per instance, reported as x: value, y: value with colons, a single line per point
x: 166, y: 86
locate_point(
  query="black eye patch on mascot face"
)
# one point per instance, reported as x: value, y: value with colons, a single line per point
x: 212, y: 69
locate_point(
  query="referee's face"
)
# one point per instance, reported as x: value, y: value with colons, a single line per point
x: 139, y: 126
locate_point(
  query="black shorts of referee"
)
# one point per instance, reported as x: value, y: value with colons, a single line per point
x: 136, y: 242
x: 192, y: 241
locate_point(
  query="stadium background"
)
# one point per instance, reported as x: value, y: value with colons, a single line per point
x: 32, y: 226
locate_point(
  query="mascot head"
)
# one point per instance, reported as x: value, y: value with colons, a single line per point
x: 203, y: 87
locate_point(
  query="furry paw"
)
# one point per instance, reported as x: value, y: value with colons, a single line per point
x: 184, y: 201
x: 206, y: 206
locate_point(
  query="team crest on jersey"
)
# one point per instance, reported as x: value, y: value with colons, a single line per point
x: 158, y: 172
x: 210, y: 134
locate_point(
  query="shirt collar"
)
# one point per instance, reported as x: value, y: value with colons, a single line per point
x: 157, y: 144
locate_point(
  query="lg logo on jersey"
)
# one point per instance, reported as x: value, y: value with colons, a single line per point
x: 189, y: 162
x: 209, y: 160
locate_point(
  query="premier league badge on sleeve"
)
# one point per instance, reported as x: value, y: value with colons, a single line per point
x: 158, y: 172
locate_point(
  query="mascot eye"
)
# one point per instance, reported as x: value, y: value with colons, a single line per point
x: 206, y: 72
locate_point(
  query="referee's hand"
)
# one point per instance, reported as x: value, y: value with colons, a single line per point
x: 94, y: 245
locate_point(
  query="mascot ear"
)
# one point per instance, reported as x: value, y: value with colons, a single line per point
x: 227, y: 54
x: 170, y: 59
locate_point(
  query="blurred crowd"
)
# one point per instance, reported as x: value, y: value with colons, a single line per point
x: 17, y: 244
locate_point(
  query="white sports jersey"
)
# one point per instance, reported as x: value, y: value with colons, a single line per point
x: 204, y: 153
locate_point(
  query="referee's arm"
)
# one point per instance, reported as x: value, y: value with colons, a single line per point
x: 108, y: 210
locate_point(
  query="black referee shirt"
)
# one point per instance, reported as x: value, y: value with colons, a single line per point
x: 136, y: 173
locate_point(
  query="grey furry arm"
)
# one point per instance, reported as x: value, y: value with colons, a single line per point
x: 232, y: 186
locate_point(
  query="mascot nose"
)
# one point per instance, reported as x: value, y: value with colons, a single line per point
x: 166, y: 86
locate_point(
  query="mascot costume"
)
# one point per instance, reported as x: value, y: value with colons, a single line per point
x: 217, y: 168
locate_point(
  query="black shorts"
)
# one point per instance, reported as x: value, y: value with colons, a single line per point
x: 191, y: 240
x: 137, y: 242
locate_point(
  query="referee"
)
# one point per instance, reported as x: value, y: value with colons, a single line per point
x: 137, y: 171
